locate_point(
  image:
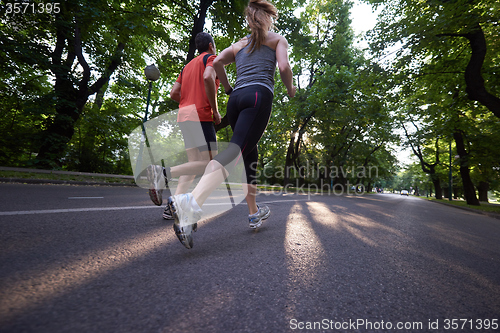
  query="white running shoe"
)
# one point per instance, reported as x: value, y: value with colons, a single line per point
x: 255, y: 220
x: 186, y: 214
x: 157, y: 182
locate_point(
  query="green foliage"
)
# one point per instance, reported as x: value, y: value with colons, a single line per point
x: 437, y: 68
x: 99, y: 144
x: 341, y: 117
x: 338, y: 119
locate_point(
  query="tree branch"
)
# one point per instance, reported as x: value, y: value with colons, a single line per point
x: 476, y: 91
x: 83, y: 85
x: 58, y: 50
x: 116, y: 60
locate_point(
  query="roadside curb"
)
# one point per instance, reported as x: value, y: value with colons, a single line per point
x: 67, y: 182
x: 59, y: 182
x: 489, y: 214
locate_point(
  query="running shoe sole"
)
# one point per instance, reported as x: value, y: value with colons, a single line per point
x: 184, y: 234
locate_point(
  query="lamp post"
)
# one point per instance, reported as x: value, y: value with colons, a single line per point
x: 152, y: 74
x: 450, y: 178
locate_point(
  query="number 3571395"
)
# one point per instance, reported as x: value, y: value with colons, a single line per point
x: 33, y: 8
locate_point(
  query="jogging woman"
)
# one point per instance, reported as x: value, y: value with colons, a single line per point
x: 248, y: 111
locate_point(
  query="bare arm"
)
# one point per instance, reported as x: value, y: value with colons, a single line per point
x: 211, y: 91
x: 284, y: 66
x: 224, y: 58
x: 175, y: 93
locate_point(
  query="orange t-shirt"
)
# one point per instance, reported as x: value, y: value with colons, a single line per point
x: 193, y: 95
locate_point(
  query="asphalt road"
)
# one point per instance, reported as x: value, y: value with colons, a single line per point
x: 102, y: 259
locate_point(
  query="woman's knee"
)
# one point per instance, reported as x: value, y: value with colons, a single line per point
x: 229, y: 156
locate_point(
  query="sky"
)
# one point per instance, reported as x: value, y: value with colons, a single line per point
x: 363, y: 19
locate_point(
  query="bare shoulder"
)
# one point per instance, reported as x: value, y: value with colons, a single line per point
x: 273, y: 39
x: 239, y: 45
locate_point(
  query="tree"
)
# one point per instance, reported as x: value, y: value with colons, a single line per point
x: 464, y: 30
x: 485, y: 157
x: 427, y: 167
x: 81, y: 45
x: 446, y: 59
x: 323, y: 48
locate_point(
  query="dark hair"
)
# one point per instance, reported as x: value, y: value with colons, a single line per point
x: 202, y: 40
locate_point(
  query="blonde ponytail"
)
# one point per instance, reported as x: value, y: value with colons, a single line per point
x: 259, y: 14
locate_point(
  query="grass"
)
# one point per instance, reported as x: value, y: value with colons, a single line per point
x: 64, y: 177
x: 485, y: 207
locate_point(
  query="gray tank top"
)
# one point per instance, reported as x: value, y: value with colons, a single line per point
x: 257, y: 67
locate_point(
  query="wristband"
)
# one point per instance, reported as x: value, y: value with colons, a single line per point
x: 229, y: 91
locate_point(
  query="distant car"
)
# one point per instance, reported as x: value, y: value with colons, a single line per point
x: 404, y: 192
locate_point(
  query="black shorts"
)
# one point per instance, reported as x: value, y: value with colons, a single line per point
x: 199, y: 134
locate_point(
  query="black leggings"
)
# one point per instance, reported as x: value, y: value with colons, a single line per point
x: 248, y: 112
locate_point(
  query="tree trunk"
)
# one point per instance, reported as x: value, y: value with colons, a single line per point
x: 290, y: 158
x: 483, y: 191
x: 199, y: 23
x: 469, y: 190
x: 476, y: 90
x: 61, y: 130
x: 70, y: 100
x: 437, y: 185
x: 367, y: 159
x: 293, y: 151
x: 427, y: 167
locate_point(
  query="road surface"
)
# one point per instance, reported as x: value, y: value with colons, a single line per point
x: 102, y: 259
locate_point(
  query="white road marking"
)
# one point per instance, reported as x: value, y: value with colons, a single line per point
x: 72, y: 210
x: 293, y: 200
x: 100, y: 209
